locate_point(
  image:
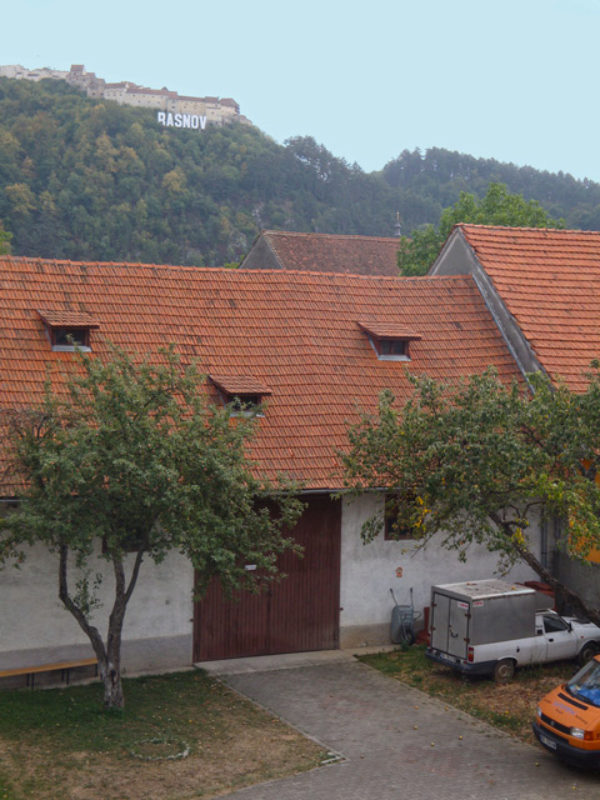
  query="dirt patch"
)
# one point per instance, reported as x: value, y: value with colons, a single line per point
x: 211, y: 769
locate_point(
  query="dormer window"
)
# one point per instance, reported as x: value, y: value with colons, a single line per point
x: 389, y: 341
x: 248, y: 404
x: 243, y: 394
x: 70, y: 337
x: 392, y: 347
x: 69, y: 330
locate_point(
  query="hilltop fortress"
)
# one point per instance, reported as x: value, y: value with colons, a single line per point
x: 213, y: 110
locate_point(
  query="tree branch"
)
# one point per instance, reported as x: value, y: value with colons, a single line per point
x: 562, y: 592
x: 63, y: 592
x: 134, y: 574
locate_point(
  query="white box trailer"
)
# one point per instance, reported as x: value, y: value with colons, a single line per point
x: 479, y: 612
x: 490, y: 627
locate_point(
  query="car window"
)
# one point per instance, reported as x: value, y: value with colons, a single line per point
x: 552, y: 623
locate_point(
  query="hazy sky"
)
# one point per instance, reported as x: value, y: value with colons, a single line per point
x: 516, y: 80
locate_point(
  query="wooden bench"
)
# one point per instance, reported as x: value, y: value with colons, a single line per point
x: 65, y: 668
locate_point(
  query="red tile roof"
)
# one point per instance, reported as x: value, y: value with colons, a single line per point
x: 324, y: 252
x: 549, y: 280
x: 295, y: 333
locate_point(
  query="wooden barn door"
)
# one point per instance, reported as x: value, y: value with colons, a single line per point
x: 300, y: 613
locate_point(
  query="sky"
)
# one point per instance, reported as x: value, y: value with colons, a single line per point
x: 515, y: 81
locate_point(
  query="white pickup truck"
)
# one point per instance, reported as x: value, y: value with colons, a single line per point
x: 489, y: 627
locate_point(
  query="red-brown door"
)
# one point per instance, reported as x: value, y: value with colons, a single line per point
x: 299, y: 613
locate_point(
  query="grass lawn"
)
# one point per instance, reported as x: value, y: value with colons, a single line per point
x: 185, y: 735
x: 508, y: 706
x: 180, y: 736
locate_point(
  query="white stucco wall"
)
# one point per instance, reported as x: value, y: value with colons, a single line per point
x: 158, y: 631
x: 34, y: 619
x: 368, y: 572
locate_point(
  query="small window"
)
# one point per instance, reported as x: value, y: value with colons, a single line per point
x: 70, y: 339
x: 393, y: 347
x: 245, y: 406
x: 391, y: 530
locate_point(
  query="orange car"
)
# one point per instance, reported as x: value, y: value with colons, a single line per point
x: 567, y: 720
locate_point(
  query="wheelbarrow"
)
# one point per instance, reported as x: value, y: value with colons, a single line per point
x: 402, y: 626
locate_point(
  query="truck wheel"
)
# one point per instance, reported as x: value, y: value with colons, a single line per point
x: 504, y: 670
x: 587, y: 652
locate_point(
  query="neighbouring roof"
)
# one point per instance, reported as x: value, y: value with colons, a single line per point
x: 324, y: 252
x: 295, y: 334
x: 549, y: 280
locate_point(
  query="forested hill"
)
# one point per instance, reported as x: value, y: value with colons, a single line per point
x: 91, y: 180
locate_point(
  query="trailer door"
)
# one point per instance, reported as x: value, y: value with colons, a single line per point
x: 458, y: 628
x: 440, y: 611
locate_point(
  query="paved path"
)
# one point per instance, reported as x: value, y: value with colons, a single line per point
x: 396, y: 742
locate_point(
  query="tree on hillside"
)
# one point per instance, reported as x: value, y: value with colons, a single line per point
x: 128, y: 463
x: 478, y: 461
x: 499, y: 207
x: 5, y: 238
x: 437, y: 176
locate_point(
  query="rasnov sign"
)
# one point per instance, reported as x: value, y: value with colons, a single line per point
x: 193, y: 121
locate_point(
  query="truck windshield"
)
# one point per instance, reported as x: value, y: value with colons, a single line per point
x: 585, y: 684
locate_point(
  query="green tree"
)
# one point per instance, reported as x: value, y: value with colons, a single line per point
x: 477, y: 461
x: 499, y: 207
x: 21, y: 200
x: 131, y: 456
x: 5, y: 238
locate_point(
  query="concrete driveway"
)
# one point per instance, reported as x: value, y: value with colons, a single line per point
x: 395, y: 742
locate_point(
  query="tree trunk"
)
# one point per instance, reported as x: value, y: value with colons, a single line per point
x: 113, y: 686
x: 109, y: 656
x: 111, y: 675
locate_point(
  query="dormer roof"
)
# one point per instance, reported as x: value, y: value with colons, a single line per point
x: 240, y: 385
x: 68, y: 319
x: 389, y: 330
